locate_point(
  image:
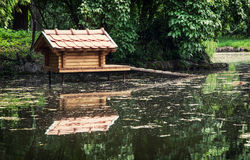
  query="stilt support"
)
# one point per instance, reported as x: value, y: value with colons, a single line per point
x: 108, y: 76
x: 62, y: 79
x: 49, y: 74
x: 124, y: 77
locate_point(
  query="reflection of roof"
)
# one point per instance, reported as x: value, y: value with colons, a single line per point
x: 81, y: 124
x: 76, y: 39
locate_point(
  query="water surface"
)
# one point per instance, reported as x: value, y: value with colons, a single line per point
x: 148, y: 117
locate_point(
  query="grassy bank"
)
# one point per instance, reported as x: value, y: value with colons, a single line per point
x: 234, y: 41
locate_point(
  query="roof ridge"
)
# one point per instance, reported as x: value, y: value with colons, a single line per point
x: 72, y: 31
x: 56, y: 31
x: 87, y: 30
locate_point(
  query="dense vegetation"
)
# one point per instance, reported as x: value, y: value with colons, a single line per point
x: 145, y: 30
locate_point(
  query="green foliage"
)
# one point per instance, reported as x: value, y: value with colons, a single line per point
x: 116, y: 17
x: 234, y: 41
x: 190, y: 25
x: 145, y: 30
x: 15, y: 48
x: 210, y: 47
x: 14, y: 43
x: 6, y: 9
x: 58, y: 14
x: 233, y: 15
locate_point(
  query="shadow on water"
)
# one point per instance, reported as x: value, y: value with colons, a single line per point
x: 148, y: 117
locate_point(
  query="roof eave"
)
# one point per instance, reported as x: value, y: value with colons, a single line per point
x: 106, y: 33
x: 36, y: 44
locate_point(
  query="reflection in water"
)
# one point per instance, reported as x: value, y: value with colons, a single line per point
x: 90, y: 113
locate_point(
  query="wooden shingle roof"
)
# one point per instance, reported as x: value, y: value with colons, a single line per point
x: 78, y: 40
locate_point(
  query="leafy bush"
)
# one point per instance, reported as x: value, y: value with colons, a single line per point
x: 190, y: 25
x: 15, y: 48
x: 14, y: 43
x: 210, y: 47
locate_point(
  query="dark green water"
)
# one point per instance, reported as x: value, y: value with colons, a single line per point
x: 198, y: 118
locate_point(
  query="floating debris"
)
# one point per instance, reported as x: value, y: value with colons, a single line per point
x: 191, y: 120
x: 245, y: 136
x: 10, y: 118
x: 166, y: 135
x: 151, y: 126
x: 22, y: 129
x: 247, y: 144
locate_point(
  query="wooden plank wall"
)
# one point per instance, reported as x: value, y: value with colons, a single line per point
x: 75, y: 60
x: 83, y: 60
x: 53, y: 60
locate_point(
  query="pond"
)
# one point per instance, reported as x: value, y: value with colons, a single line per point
x: 147, y: 117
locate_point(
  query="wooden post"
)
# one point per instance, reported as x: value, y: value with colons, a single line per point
x: 108, y: 76
x: 62, y: 60
x: 101, y: 59
x: 62, y: 79
x: 49, y: 74
x: 124, y: 76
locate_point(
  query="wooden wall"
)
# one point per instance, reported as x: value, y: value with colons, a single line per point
x: 74, y: 60
x: 81, y: 60
x: 53, y: 60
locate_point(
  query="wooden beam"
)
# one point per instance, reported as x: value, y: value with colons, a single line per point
x: 99, y: 69
x: 62, y: 61
x: 161, y: 72
x: 52, y: 69
x: 101, y: 59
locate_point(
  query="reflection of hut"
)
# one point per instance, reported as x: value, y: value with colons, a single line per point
x: 70, y: 101
x: 85, y: 112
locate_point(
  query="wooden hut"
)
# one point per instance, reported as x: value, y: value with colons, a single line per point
x: 67, y: 51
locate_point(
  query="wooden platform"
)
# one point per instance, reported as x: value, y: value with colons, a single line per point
x: 106, y: 68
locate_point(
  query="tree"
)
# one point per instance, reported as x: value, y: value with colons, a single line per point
x: 6, y: 9
x: 63, y: 14
x: 20, y: 16
x: 233, y: 16
x: 17, y: 9
x: 145, y: 30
